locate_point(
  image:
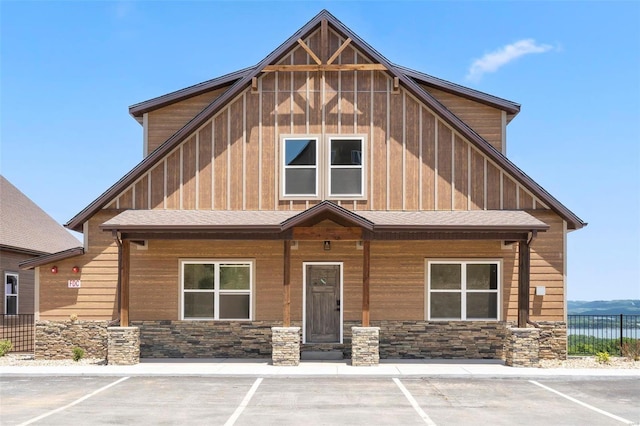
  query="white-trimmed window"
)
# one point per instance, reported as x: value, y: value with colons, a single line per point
x: 300, y: 167
x: 216, y: 289
x: 11, y: 293
x: 346, y: 174
x: 463, y: 290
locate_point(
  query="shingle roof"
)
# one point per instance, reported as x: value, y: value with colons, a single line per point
x: 177, y: 220
x: 26, y: 227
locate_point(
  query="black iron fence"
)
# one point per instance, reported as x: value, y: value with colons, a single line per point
x: 590, y: 334
x: 19, y: 330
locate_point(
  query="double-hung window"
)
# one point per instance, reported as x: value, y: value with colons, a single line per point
x: 300, y: 167
x: 329, y: 167
x: 345, y: 167
x: 463, y: 290
x: 11, y: 293
x: 216, y: 290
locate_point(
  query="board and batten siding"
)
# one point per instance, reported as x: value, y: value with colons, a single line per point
x: 414, y: 160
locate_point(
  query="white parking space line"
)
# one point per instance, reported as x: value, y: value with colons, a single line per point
x: 77, y: 401
x: 244, y: 403
x: 414, y: 403
x: 590, y: 407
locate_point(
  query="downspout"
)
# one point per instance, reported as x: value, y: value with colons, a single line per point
x: 116, y: 321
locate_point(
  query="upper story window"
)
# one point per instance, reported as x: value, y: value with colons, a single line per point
x: 320, y: 168
x: 463, y: 290
x: 300, y: 167
x: 345, y: 168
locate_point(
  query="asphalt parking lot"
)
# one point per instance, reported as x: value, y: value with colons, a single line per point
x: 316, y: 401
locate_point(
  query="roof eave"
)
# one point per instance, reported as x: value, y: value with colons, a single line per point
x: 50, y: 258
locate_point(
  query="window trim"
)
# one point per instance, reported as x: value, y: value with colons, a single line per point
x: 363, y: 167
x: 463, y: 290
x: 216, y: 290
x: 284, y: 167
x: 16, y: 295
x: 323, y: 167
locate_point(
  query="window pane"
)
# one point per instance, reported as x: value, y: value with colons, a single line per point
x: 346, y: 152
x: 198, y: 277
x: 198, y: 305
x: 445, y: 305
x: 234, y: 277
x: 446, y: 277
x: 300, y: 181
x: 482, y: 277
x: 11, y: 285
x: 346, y: 181
x: 300, y: 152
x: 482, y: 305
x: 234, y: 306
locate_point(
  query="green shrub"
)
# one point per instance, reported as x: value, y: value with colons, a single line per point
x: 603, y: 357
x: 78, y: 353
x: 631, y: 349
x: 5, y: 347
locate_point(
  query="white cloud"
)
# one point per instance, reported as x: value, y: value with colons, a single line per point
x: 496, y: 59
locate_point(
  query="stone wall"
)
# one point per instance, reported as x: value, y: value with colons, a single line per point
x: 204, y: 339
x: 123, y: 345
x: 365, y: 346
x: 441, y: 339
x: 286, y: 346
x: 522, y: 347
x: 56, y: 339
x: 553, y: 340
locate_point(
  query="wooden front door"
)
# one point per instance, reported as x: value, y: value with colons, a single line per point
x: 322, y: 309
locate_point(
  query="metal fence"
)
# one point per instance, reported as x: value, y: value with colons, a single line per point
x: 590, y: 334
x: 19, y: 330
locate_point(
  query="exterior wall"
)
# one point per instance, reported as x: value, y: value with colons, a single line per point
x: 9, y: 261
x: 204, y: 339
x: 96, y: 298
x: 414, y: 160
x: 56, y: 339
x: 164, y: 122
x: 485, y: 120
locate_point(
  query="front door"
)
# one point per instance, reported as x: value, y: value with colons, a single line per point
x: 322, y: 308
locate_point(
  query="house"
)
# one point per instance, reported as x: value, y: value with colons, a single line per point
x: 324, y: 201
x: 26, y: 232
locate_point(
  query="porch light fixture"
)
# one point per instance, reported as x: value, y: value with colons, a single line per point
x: 75, y: 269
x: 54, y: 269
x: 327, y: 245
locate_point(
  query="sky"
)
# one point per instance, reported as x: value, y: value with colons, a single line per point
x: 70, y: 70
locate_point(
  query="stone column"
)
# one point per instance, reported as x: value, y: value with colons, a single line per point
x: 285, y: 345
x: 365, y: 346
x: 522, y: 347
x: 123, y: 347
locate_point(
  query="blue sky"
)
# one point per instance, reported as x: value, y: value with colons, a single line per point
x: 69, y: 71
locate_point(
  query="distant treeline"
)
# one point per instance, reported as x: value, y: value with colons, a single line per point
x: 604, y: 307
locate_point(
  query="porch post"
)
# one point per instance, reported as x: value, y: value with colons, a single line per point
x: 286, y: 288
x: 524, y: 271
x: 366, y: 248
x: 124, y: 283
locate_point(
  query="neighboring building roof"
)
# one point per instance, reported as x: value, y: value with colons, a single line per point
x: 573, y: 221
x: 275, y: 221
x: 26, y: 227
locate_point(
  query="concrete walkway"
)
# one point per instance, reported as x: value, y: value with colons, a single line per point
x: 262, y: 368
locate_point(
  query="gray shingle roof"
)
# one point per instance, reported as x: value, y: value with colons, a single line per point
x: 25, y: 226
x: 220, y: 219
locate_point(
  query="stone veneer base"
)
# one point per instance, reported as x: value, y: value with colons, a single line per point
x: 56, y: 339
x: 522, y: 347
x: 286, y: 346
x: 365, y: 343
x: 123, y: 345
